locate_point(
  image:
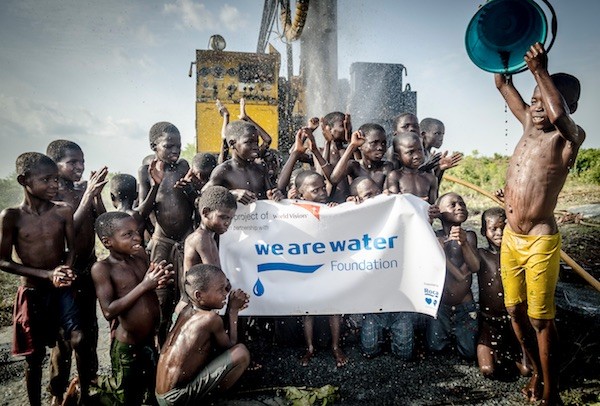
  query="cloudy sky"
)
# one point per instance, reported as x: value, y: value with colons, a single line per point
x: 102, y: 72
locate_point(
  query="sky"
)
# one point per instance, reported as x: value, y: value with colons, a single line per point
x: 100, y: 73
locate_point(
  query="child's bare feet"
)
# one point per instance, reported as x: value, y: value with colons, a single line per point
x: 306, y: 358
x: 533, y: 389
x: 340, y: 357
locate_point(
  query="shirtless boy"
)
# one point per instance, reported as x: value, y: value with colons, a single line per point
x: 336, y: 127
x: 247, y: 180
x: 432, y: 135
x: 173, y: 210
x: 41, y: 232
x: 124, y: 195
x: 403, y: 123
x: 536, y: 174
x: 310, y: 186
x: 85, y: 199
x: 200, y: 356
x: 457, y: 313
x: 409, y: 179
x: 371, y: 141
x: 217, y: 207
x: 497, y: 342
x: 125, y: 284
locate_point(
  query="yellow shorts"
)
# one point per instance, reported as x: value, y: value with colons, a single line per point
x: 529, y: 267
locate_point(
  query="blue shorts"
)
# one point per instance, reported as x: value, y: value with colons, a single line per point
x: 459, y: 321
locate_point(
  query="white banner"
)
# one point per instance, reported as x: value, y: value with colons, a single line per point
x: 296, y: 257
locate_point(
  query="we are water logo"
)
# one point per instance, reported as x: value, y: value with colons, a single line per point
x: 259, y: 288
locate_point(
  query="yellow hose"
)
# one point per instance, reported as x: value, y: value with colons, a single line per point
x: 293, y: 30
x: 563, y: 255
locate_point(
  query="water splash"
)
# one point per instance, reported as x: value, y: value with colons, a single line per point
x: 258, y: 288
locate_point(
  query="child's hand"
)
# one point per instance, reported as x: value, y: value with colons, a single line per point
x: 354, y: 199
x: 500, y: 194
x: 62, y: 276
x: 358, y: 139
x: 433, y: 161
x: 97, y: 181
x: 457, y: 233
x: 156, y: 171
x: 447, y: 162
x: 313, y: 123
x: 299, y: 146
x: 222, y: 109
x: 244, y: 196
x: 536, y: 58
x: 293, y: 193
x: 188, y: 179
x: 275, y: 195
x: 347, y: 126
x: 158, y: 275
x: 433, y: 212
x: 332, y: 204
x: 326, y: 131
x: 238, y: 300
x: 243, y: 114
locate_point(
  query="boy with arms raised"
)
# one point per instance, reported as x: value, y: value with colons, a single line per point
x: 336, y: 127
x: 497, y: 341
x: 173, y: 210
x: 86, y: 201
x: 190, y: 366
x: 217, y: 207
x: 371, y: 141
x: 530, y: 252
x: 310, y: 186
x: 125, y: 284
x: 247, y: 180
x: 41, y: 232
x: 457, y: 313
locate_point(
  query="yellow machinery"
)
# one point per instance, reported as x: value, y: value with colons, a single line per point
x: 229, y: 76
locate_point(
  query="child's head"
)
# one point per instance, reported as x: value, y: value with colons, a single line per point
x: 217, y: 207
x: 118, y: 231
x: 406, y: 122
x: 569, y: 88
x: 335, y: 122
x: 311, y: 186
x: 432, y: 132
x: 408, y: 147
x: 38, y: 174
x: 203, y: 164
x: 68, y: 157
x: 206, y: 286
x: 375, y: 143
x: 123, y: 188
x: 165, y: 141
x: 242, y: 137
x: 364, y: 188
x: 453, y: 209
x: 492, y: 225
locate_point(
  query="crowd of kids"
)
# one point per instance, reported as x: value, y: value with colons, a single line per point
x: 162, y: 279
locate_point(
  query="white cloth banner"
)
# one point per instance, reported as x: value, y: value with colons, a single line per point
x: 296, y: 257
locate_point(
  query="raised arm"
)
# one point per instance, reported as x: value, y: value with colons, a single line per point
x: 224, y: 153
x: 238, y: 300
x: 554, y: 104
x: 156, y: 175
x: 512, y: 97
x: 264, y: 136
x: 298, y: 149
x: 341, y: 168
x: 91, y: 199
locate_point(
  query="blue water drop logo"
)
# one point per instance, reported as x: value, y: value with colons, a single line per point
x: 258, y: 289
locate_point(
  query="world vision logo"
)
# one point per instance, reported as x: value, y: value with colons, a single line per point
x: 312, y: 208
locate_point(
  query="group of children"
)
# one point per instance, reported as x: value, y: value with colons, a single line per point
x: 162, y: 280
